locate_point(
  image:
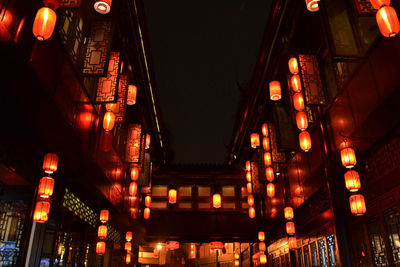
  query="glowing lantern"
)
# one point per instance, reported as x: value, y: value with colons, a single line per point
x: 237, y: 255
x: 248, y: 166
x: 128, y: 246
x: 269, y: 173
x: 102, y: 232
x: 388, y: 21
x: 102, y: 6
x: 298, y: 101
x: 50, y: 163
x: 266, y: 145
x: 264, y: 129
x: 301, y: 120
x: 146, y: 213
x: 378, y: 3
x: 250, y: 200
x: 290, y: 228
x: 292, y: 243
x: 134, y: 173
x: 132, y: 92
x: 305, y: 141
x: 295, y: 83
x: 101, y: 247
x: 249, y: 188
x: 267, y: 159
x: 248, y: 177
x: 217, y: 201
x: 348, y: 157
x: 357, y: 205
x: 46, y: 186
x: 147, y: 201
x: 237, y: 263
x: 352, y: 180
x: 255, y: 140
x: 104, y: 215
x: 148, y: 140
x: 44, y: 23
x: 172, y: 245
x: 312, y: 5
x: 108, y: 121
x: 252, y: 212
x: 216, y: 245
x: 263, y: 259
x: 261, y: 236
x: 41, y: 213
x: 128, y: 236
x: 172, y: 196
x: 128, y: 258
x: 261, y: 246
x: 289, y: 214
x: 275, y: 90
x: 133, y: 189
x: 270, y: 190
x: 293, y: 65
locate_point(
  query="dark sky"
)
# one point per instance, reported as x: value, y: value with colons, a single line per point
x: 199, y: 50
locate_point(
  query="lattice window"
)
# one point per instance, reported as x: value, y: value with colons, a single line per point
x: 330, y: 242
x: 377, y: 242
x: 133, y: 144
x: 113, y: 234
x: 323, y: 260
x: 392, y: 221
x: 314, y: 254
x: 80, y: 209
x: 119, y: 108
x: 107, y: 88
x: 364, y: 7
x: 276, y: 155
x: 311, y: 76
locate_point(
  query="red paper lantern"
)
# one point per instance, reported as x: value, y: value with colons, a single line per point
x: 101, y: 247
x: 237, y: 255
x: 249, y: 188
x: 248, y: 177
x: 312, y: 5
x: 269, y: 173
x: 352, y: 180
x: 102, y: 232
x: 270, y: 190
x: 252, y: 213
x: 46, y: 186
x: 264, y: 129
x: 248, y: 166
x: 388, y: 22
x: 289, y: 214
x: 217, y: 202
x: 45, y: 21
x: 266, y: 145
x: 275, y: 90
x: 172, y: 245
x: 104, y: 215
x: 128, y: 258
x: 250, y: 200
x: 261, y: 246
x: 298, y: 102
x: 237, y: 263
x: 134, y: 173
x: 128, y: 236
x: 147, y: 201
x: 267, y: 159
x: 102, y: 6
x: 42, y: 210
x: 357, y: 204
x: 292, y: 242
x: 293, y: 65
x: 146, y: 213
x: 216, y: 245
x: 132, y: 92
x: 261, y: 236
x: 378, y: 3
x: 254, y: 140
x: 133, y: 189
x: 128, y: 246
x: 295, y: 83
x: 50, y: 163
x: 148, y: 140
x: 263, y: 259
x: 109, y: 121
x: 290, y: 228
x: 305, y: 141
x: 172, y: 194
x: 301, y: 120
x: 348, y: 157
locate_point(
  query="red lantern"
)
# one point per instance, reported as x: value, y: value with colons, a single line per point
x: 301, y: 120
x: 147, y: 201
x: 102, y: 232
x: 216, y: 245
x: 267, y: 159
x: 252, y: 213
x: 290, y: 228
x: 148, y: 140
x: 217, y: 201
x: 128, y: 258
x: 261, y: 246
x: 269, y: 173
x: 270, y: 190
x: 388, y: 21
x: 42, y: 210
x: 357, y: 205
x: 172, y: 245
x: 101, y: 247
x: 312, y: 5
x: 305, y: 141
x: 132, y: 200
x: 348, y: 157
x: 46, y: 186
x: 266, y: 145
x: 128, y: 236
x: 104, y: 215
x: 250, y: 200
x: 146, y: 213
x: 298, y: 102
x: 237, y: 255
x: 248, y: 177
x: 134, y: 213
x: 172, y: 196
x: 293, y: 65
x: 261, y: 236
x: 50, y: 163
x: 248, y: 166
x: 275, y: 90
x: 44, y: 23
x: 106, y: 139
x: 292, y: 243
x: 237, y: 263
x: 255, y: 140
x: 128, y: 246
x: 109, y: 121
x: 378, y: 3
x: 249, y: 188
x: 134, y: 173
x: 102, y: 6
x: 289, y: 214
x: 264, y: 129
x: 132, y: 92
x: 133, y: 189
x: 295, y: 83
x: 263, y: 259
x: 352, y: 180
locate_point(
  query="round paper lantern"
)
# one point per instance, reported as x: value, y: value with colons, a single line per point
x: 264, y: 129
x: 102, y: 6
x: 147, y: 201
x: 128, y: 258
x: 270, y: 190
x: 357, y: 204
x: 42, y: 210
x: 248, y: 166
x: 104, y: 215
x: 275, y: 90
x: 348, y: 157
x: 312, y: 5
x: 261, y: 246
x: 388, y: 22
x: 254, y: 140
x: 295, y: 83
x: 252, y: 213
x: 289, y: 214
x: 305, y: 141
x: 266, y: 145
x: 352, y: 180
x: 249, y: 188
x: 146, y: 213
x: 298, y: 102
x: 250, y: 200
x: 172, y: 245
x: 172, y: 193
x: 237, y: 255
x: 101, y: 247
x: 216, y: 245
x: 248, y: 177
x: 128, y: 246
x: 301, y: 120
x: 269, y: 173
x: 128, y: 236
x: 293, y: 65
x: 85, y: 120
x: 267, y: 159
x: 134, y: 173
x: 133, y: 189
x: 50, y: 163
x: 46, y: 186
x: 148, y: 140
x: 109, y: 121
x: 237, y: 263
x: 102, y: 232
x: 217, y: 202
x: 263, y: 259
x: 261, y: 236
x: 45, y: 21
x: 378, y: 3
x: 131, y: 97
x: 290, y: 228
x: 292, y: 242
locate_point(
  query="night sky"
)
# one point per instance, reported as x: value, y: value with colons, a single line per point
x: 200, y: 50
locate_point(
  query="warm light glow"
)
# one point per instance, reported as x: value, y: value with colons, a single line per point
x: 269, y: 173
x: 312, y: 5
x: 261, y: 246
x: 250, y: 200
x: 217, y: 202
x: 252, y: 213
x: 146, y: 213
x: 264, y: 129
x: 102, y: 6
x: 172, y: 196
x: 132, y: 92
x: 102, y: 232
x: 148, y: 140
x: 50, y: 163
x: 289, y: 214
x: 266, y: 145
x: 147, y: 201
x: 133, y: 189
x: 270, y: 190
x: 295, y: 83
x: 109, y: 121
x: 42, y: 210
x: 249, y: 188
x: 290, y: 228
x: 128, y: 236
x: 292, y: 242
x: 46, y: 186
x: 104, y: 215
x: 101, y: 247
x: 388, y: 22
x: 267, y: 159
x: 293, y: 65
x: 275, y: 90
x: 159, y: 246
x: 134, y: 173
x: 248, y: 166
x: 352, y: 180
x: 298, y: 102
x: 216, y: 245
x: 44, y: 23
x: 128, y: 246
x: 237, y: 255
x: 378, y: 3
x: 128, y: 258
x: 263, y: 259
x: 357, y: 204
x: 348, y: 157
x: 237, y: 263
x: 261, y: 236
x: 172, y: 245
x: 305, y: 141
x: 254, y: 140
x: 301, y: 120
x: 248, y: 177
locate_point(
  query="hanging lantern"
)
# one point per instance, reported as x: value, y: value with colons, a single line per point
x: 101, y: 247
x: 45, y: 21
x: 388, y: 21
x: 292, y: 242
x: 248, y: 177
x: 312, y: 5
x: 216, y: 245
x: 148, y: 140
x: 301, y: 120
x: 237, y: 263
x: 108, y: 121
x: 104, y: 215
x: 298, y: 102
x: 128, y: 258
x: 106, y: 139
x: 267, y: 159
x: 275, y: 90
x: 264, y: 129
x: 252, y: 213
x: 102, y: 6
x: 255, y: 140
x: 133, y: 189
x: 172, y: 245
x: 348, y: 157
x: 102, y: 232
x: 50, y: 163
x: 352, y: 180
x: 250, y: 200
x: 293, y: 65
x: 128, y: 236
x: 147, y: 201
x: 248, y: 166
x: 289, y: 214
x: 269, y: 173
x: 146, y: 213
x: 46, y: 186
x: 132, y: 92
x: 295, y: 83
x: 172, y: 196
x: 217, y: 201
x: 305, y: 141
x: 128, y: 246
x: 266, y: 145
x: 237, y: 255
x: 290, y: 229
x: 249, y: 188
x: 261, y: 236
x: 132, y: 200
x: 357, y: 205
x: 270, y: 190
x: 379, y: 3
x: 134, y: 173
x: 263, y: 259
x: 42, y: 210
x: 261, y: 246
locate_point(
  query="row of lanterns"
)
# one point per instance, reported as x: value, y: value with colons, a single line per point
x: 102, y: 232
x: 128, y: 247
x: 386, y: 17
x: 249, y: 186
x: 290, y: 227
x: 262, y: 247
